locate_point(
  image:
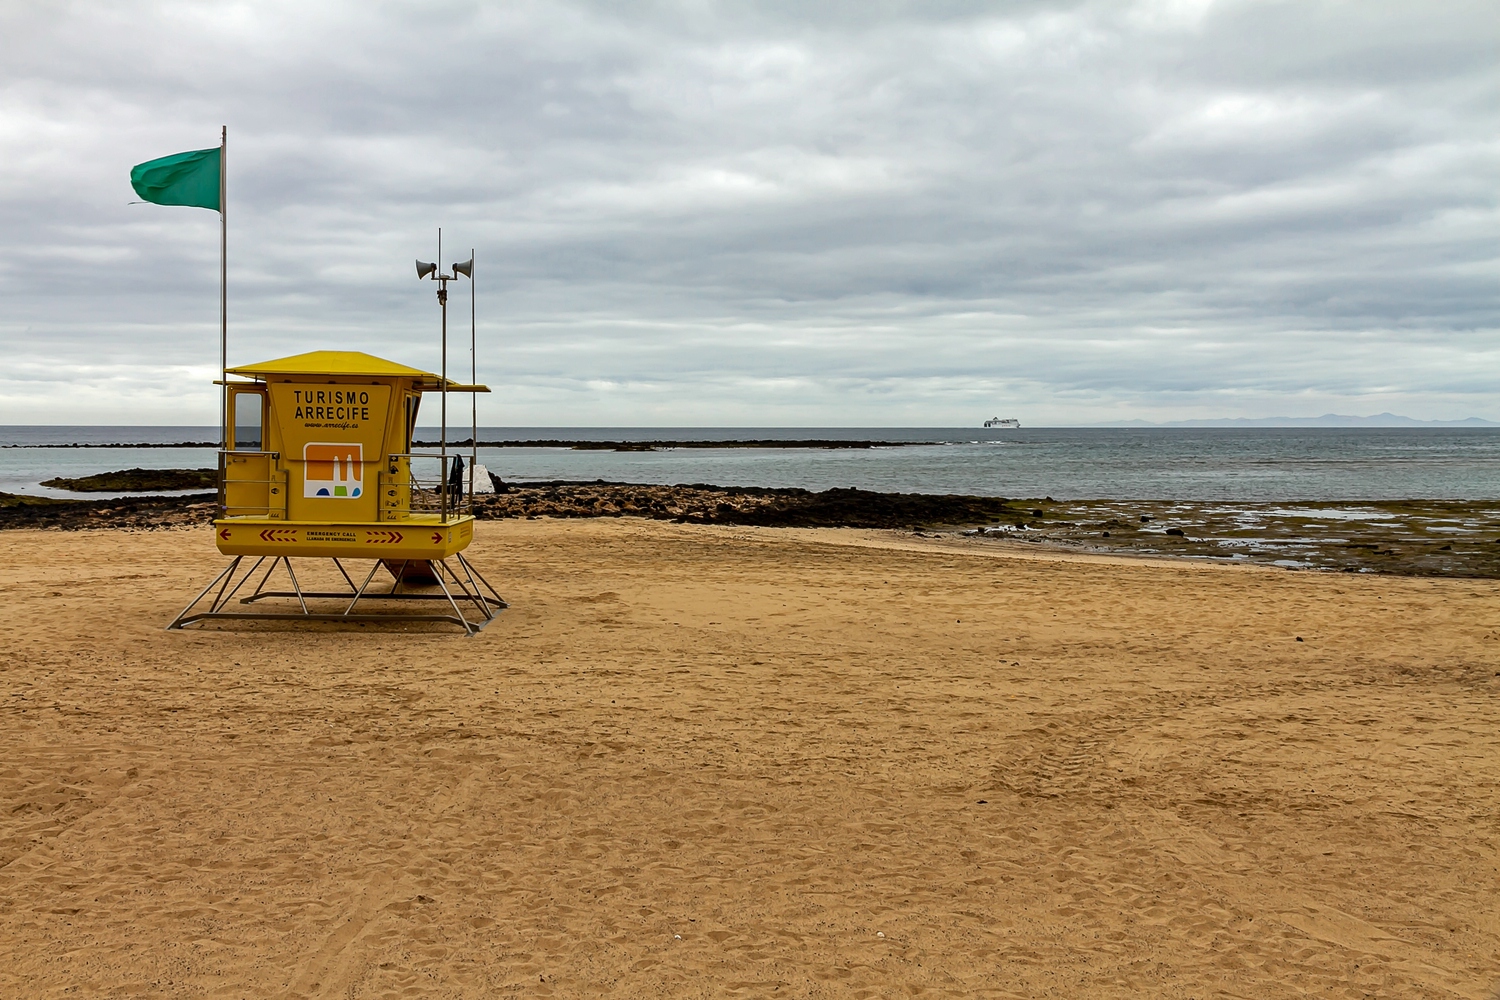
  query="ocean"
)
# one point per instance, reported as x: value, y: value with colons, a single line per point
x: 1222, y: 464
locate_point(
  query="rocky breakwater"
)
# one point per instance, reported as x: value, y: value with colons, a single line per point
x: 695, y: 504
x: 705, y: 504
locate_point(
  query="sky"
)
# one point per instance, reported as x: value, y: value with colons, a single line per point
x: 767, y: 214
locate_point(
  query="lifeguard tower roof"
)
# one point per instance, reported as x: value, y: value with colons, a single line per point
x: 356, y: 363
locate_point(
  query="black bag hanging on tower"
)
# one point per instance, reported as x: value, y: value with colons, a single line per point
x: 456, y: 478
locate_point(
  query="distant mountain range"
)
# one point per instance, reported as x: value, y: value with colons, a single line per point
x: 1326, y: 420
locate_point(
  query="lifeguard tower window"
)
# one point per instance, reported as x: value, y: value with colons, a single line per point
x: 413, y: 401
x: 247, y: 420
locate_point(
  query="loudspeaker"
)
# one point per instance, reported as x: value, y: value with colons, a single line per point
x: 424, y: 269
x: 466, y: 269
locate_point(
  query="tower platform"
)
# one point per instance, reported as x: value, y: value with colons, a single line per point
x: 416, y: 537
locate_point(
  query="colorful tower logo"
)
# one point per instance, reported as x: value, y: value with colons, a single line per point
x: 332, y: 470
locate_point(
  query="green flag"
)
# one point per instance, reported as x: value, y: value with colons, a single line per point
x: 190, y: 178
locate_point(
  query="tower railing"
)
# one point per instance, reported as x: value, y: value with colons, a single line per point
x: 429, y: 486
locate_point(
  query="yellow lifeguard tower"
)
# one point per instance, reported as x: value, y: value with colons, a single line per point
x: 319, y: 462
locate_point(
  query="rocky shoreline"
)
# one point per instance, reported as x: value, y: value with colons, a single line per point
x: 1448, y: 538
x: 697, y: 504
x: 779, y: 508
x: 139, y: 512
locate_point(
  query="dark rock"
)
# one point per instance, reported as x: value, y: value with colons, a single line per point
x: 706, y: 504
x: 139, y: 480
x: 139, y: 512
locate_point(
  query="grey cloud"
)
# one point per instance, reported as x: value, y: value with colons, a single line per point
x: 758, y: 214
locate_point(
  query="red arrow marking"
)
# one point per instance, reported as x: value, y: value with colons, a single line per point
x: 224, y: 534
x: 383, y: 538
x: 437, y: 536
x: 274, y: 535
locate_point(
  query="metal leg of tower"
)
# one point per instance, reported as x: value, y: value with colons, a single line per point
x: 361, y: 591
x: 228, y: 571
x: 470, y: 629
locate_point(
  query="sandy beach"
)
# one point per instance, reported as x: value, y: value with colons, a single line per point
x: 706, y: 761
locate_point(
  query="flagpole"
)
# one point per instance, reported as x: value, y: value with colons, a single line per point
x: 223, y: 287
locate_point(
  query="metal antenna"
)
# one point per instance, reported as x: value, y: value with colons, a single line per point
x: 443, y: 439
x: 435, y: 272
x: 466, y: 268
x: 473, y: 380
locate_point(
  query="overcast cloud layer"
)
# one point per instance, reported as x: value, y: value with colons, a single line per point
x: 751, y: 215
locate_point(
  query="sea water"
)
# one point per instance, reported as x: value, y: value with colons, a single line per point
x: 1226, y: 464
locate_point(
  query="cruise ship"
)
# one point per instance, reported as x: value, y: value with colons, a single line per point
x: 1004, y: 423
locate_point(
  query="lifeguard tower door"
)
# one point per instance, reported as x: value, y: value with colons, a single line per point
x: 251, y: 486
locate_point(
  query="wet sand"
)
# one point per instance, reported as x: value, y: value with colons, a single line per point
x: 733, y: 761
